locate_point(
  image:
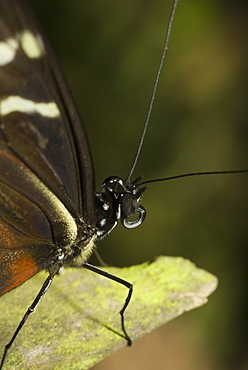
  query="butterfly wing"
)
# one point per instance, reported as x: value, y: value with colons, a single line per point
x: 44, y: 155
x: 25, y: 238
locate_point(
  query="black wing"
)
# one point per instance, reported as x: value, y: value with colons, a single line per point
x: 49, y: 136
x: 46, y: 172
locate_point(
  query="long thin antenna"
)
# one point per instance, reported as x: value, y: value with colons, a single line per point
x: 167, y: 37
x: 192, y: 174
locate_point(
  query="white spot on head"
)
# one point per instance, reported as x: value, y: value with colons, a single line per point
x: 105, y: 206
x: 32, y: 45
x: 8, y: 51
x: 103, y: 222
x: 19, y: 104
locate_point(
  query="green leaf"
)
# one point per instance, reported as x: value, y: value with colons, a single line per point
x: 76, y: 324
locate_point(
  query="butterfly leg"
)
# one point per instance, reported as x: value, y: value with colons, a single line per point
x: 31, y: 309
x: 106, y: 274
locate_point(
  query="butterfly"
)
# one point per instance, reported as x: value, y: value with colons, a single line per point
x: 52, y: 216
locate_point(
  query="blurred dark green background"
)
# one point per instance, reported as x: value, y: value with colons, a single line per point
x: 110, y: 51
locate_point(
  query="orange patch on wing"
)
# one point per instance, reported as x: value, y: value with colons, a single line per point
x: 19, y: 268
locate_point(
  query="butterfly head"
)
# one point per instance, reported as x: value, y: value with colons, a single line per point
x: 119, y: 200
